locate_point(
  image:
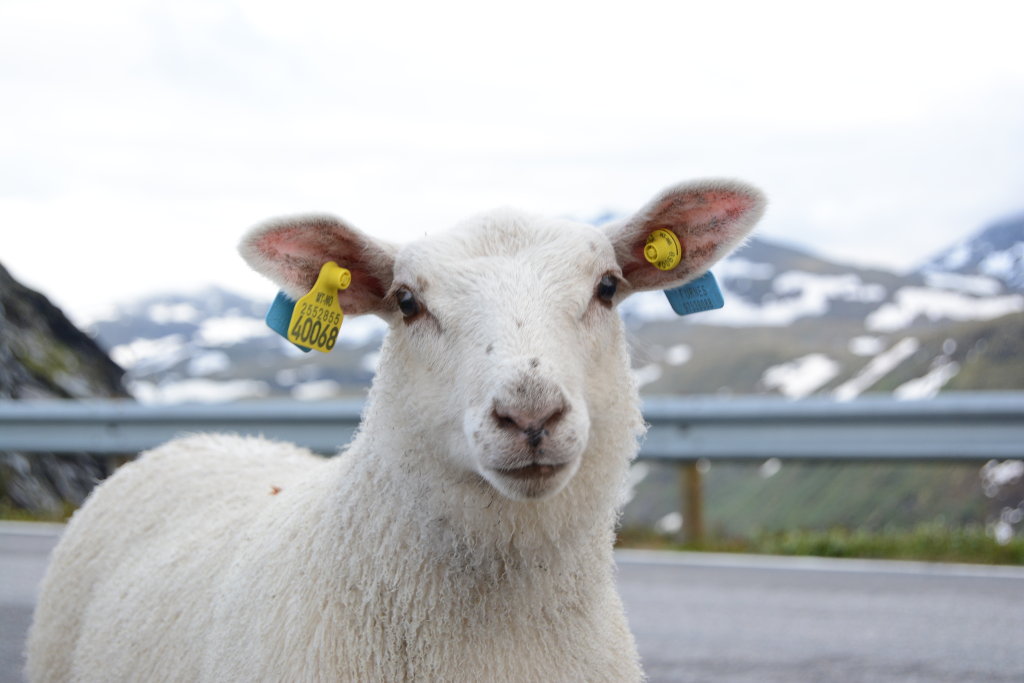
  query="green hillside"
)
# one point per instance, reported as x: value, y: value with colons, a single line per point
x: 743, y: 501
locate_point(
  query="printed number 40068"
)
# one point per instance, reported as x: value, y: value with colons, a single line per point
x: 314, y: 333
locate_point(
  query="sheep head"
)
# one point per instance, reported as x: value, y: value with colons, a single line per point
x: 504, y: 344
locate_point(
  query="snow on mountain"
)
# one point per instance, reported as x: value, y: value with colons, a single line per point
x: 995, y: 253
x: 766, y: 284
x: 877, y: 368
x: 214, y: 345
x: 912, y: 303
x: 771, y: 285
x: 801, y: 377
x: 978, y: 285
x: 930, y: 384
x: 816, y: 326
x: 199, y: 390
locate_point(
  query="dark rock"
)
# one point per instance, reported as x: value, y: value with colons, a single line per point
x: 44, y: 356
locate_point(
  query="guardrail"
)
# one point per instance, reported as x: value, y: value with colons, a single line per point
x: 953, y: 427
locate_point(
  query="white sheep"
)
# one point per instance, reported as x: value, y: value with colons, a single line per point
x: 466, y: 532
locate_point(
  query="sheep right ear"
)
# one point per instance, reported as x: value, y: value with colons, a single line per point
x: 290, y: 252
x: 710, y: 218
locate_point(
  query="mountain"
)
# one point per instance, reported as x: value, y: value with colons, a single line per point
x: 43, y: 355
x: 214, y: 345
x: 991, y: 258
x: 796, y: 324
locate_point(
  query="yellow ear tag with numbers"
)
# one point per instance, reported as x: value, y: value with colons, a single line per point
x: 317, y: 317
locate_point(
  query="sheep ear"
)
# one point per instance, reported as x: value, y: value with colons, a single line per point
x: 710, y: 218
x: 290, y: 252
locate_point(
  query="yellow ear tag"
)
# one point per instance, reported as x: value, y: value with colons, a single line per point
x: 663, y: 250
x: 317, y: 317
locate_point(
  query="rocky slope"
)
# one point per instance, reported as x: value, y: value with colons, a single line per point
x: 43, y: 355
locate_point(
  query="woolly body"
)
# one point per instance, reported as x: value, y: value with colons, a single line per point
x: 442, y: 544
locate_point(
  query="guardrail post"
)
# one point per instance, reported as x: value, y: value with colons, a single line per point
x: 693, y: 502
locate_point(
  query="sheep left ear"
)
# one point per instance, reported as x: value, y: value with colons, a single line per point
x: 290, y: 252
x: 710, y: 218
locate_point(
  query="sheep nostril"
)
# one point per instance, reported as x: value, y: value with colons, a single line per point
x: 504, y: 421
x: 533, y: 425
x: 534, y: 436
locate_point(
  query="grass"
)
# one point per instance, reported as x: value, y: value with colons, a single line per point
x: 926, y: 543
x: 15, y: 514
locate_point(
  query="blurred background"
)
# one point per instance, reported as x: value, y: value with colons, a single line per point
x: 139, y: 140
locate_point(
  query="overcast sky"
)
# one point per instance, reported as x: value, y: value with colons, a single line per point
x: 138, y: 140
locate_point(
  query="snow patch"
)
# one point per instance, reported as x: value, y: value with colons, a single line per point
x: 879, y: 366
x: 230, y: 330
x: 208, y: 363
x: 649, y: 306
x: 287, y: 377
x: 866, y: 345
x: 199, y: 391
x: 670, y: 523
x: 647, y: 374
x: 317, y: 391
x: 913, y: 302
x: 150, y: 355
x: 736, y: 268
x: 800, y: 295
x: 821, y: 288
x: 163, y: 314
x: 957, y: 257
x: 978, y: 285
x: 370, y: 362
x: 1006, y: 264
x: 801, y: 377
x: 998, y: 474
x: 361, y: 330
x: 769, y: 468
x: 929, y: 385
x: 678, y: 355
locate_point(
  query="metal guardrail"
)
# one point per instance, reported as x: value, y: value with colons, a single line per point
x: 951, y: 427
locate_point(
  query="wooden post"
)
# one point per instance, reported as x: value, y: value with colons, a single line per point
x: 693, y: 503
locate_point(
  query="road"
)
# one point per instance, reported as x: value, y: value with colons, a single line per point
x: 704, y: 617
x: 763, y: 619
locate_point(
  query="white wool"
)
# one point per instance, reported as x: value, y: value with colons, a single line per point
x: 413, y: 554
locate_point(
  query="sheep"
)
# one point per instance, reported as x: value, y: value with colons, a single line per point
x: 466, y: 532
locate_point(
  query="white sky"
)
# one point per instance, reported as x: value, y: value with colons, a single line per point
x: 139, y: 139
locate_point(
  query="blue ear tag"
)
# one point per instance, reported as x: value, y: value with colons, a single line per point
x: 700, y: 295
x: 279, y: 317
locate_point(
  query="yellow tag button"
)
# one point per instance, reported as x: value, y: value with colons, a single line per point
x: 663, y: 250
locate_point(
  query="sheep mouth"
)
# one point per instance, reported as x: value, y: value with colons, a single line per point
x: 532, y: 471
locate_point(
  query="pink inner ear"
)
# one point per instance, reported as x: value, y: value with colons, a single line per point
x: 694, y: 213
x: 282, y: 242
x: 708, y: 221
x: 310, y: 241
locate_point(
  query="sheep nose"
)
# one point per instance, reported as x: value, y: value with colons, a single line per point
x: 532, y: 422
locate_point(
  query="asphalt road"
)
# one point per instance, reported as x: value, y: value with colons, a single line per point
x: 701, y: 617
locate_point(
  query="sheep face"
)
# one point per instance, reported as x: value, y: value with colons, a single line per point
x: 505, y: 348
x: 510, y: 327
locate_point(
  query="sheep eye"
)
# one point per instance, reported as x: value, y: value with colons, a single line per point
x: 606, y: 288
x: 407, y: 303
